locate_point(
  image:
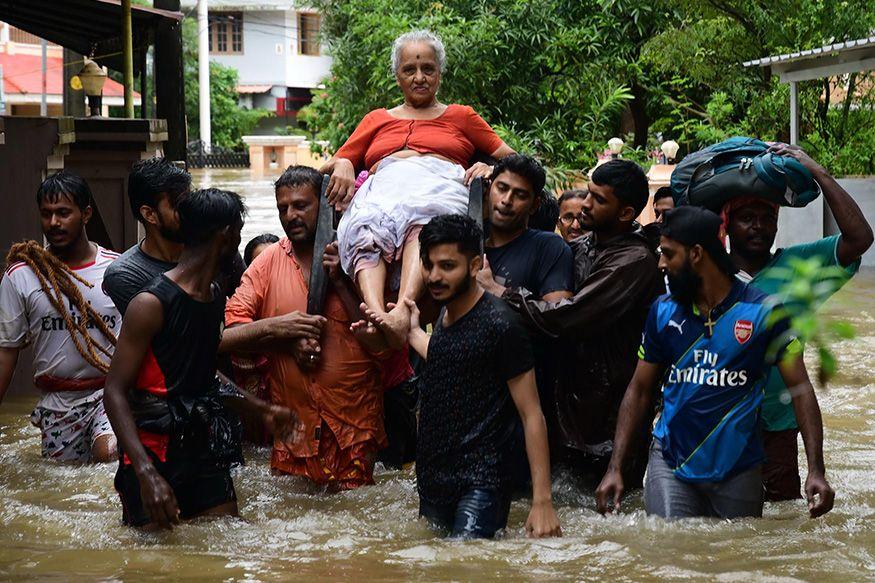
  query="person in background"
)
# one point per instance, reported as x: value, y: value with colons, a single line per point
x: 663, y: 201
x: 709, y: 344
x: 752, y: 225
x: 257, y: 245
x: 52, y: 299
x: 570, y: 207
x: 547, y: 215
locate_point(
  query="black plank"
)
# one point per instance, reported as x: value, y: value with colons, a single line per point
x: 325, y: 234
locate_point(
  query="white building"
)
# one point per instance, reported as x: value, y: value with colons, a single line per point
x: 275, y: 48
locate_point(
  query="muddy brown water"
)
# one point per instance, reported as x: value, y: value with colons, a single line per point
x: 63, y: 522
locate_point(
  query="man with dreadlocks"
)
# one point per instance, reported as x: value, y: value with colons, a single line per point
x: 52, y: 297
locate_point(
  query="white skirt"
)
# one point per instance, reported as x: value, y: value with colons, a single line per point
x: 403, y: 193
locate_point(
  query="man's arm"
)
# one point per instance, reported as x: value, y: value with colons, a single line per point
x: 8, y: 360
x: 615, y: 286
x: 818, y: 492
x: 416, y: 336
x: 542, y: 520
x: 633, y: 409
x: 270, y: 333
x: 144, y: 319
x: 856, y: 233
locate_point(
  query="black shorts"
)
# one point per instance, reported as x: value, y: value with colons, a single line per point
x: 198, y: 484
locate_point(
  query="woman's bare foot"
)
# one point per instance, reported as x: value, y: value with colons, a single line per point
x: 395, y: 323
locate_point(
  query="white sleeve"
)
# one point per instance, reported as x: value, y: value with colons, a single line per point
x: 13, y: 315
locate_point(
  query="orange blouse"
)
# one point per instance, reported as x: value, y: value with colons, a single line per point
x: 455, y: 134
x: 345, y: 390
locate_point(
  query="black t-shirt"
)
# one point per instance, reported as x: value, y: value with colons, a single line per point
x: 539, y: 261
x: 129, y: 274
x: 467, y: 416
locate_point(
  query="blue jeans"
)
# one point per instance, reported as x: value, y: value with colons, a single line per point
x: 479, y: 513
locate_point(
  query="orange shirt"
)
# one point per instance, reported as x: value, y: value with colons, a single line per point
x: 455, y: 134
x: 344, y: 390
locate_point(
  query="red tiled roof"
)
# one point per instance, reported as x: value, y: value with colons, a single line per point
x: 23, y: 74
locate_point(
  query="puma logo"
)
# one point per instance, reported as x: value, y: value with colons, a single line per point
x: 680, y: 327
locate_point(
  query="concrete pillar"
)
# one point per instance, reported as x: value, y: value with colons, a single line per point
x: 203, y: 62
x: 794, y: 113
x: 256, y: 157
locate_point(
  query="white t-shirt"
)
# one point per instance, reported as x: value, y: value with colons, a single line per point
x: 28, y: 317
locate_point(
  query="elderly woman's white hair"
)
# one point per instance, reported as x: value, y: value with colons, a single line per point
x: 419, y: 36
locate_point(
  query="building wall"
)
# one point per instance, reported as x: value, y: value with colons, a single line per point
x: 265, y: 49
x: 303, y: 70
x: 815, y: 221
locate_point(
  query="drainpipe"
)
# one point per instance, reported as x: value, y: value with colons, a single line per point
x: 203, y: 62
x: 43, y: 104
x: 794, y: 113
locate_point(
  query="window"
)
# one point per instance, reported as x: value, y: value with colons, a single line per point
x: 308, y: 34
x: 226, y: 33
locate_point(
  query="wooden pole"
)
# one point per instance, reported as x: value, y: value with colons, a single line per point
x: 169, y: 82
x: 128, y: 57
x: 74, y: 101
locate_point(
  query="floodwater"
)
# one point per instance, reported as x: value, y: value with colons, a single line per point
x: 63, y: 522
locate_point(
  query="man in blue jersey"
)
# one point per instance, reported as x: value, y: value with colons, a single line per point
x: 711, y: 343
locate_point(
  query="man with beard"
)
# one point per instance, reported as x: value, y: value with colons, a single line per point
x: 51, y: 297
x: 710, y: 344
x: 333, y: 383
x: 752, y: 225
x: 616, y: 279
x: 477, y: 383
x: 154, y: 189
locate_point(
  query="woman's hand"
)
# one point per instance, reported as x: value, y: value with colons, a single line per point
x: 542, y: 521
x: 477, y: 170
x: 341, y: 185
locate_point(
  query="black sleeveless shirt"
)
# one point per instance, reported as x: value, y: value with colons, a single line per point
x: 181, y: 362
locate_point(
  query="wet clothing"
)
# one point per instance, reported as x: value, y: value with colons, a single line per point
x: 344, y: 391
x: 456, y: 134
x: 777, y: 409
x: 664, y: 495
x: 467, y: 418
x: 130, y: 274
x: 199, y: 483
x: 338, y: 468
x: 781, y: 469
x: 714, y: 381
x: 599, y: 330
x: 134, y: 269
x: 70, y: 410
x: 479, y: 513
x: 177, y: 407
x: 538, y: 261
x: 69, y: 435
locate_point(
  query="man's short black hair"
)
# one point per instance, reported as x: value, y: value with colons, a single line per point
x: 663, y: 192
x: 628, y: 181
x: 572, y: 194
x: 151, y: 178
x: 204, y: 212
x: 547, y: 215
x: 263, y: 239
x: 524, y: 166
x: 300, y: 175
x: 65, y: 183
x: 459, y: 229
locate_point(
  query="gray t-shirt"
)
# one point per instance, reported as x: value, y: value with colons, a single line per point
x: 127, y: 275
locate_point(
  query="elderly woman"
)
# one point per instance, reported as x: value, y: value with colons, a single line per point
x: 418, y: 154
